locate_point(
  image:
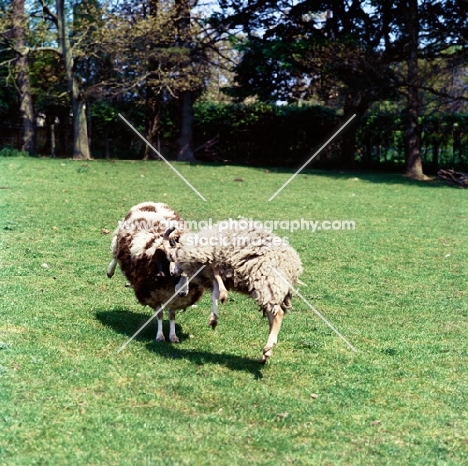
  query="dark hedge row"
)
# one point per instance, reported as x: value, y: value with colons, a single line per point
x: 268, y: 135
x: 262, y: 134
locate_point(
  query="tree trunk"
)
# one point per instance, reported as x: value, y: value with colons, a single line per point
x: 349, y: 142
x: 414, y: 167
x: 78, y: 104
x: 152, y: 137
x: 89, y: 121
x: 28, y: 142
x: 185, y: 141
x: 80, y: 130
x: 152, y: 130
x: 354, y: 105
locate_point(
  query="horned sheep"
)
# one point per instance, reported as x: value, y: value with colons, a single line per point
x: 138, y: 246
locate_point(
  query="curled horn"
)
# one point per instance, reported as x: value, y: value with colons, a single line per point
x: 167, y: 236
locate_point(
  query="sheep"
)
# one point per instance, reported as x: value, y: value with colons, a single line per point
x: 249, y: 260
x: 137, y: 246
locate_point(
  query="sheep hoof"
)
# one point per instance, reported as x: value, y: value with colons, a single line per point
x: 266, y: 354
x: 213, y: 323
x: 223, y: 296
x: 160, y: 338
x: 174, y: 339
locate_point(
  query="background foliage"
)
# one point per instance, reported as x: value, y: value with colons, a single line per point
x: 258, y: 83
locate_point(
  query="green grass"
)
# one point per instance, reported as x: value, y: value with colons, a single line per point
x: 396, y: 287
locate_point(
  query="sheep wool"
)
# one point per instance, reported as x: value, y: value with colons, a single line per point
x: 138, y: 247
x: 250, y: 260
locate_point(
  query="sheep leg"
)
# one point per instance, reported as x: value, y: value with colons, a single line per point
x: 111, y: 268
x: 172, y: 335
x: 222, y: 292
x: 159, y: 333
x: 275, y: 319
x: 181, y: 287
x: 213, y: 322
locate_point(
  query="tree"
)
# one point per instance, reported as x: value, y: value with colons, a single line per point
x: 22, y: 77
x: 159, y: 58
x: 183, y: 40
x: 414, y: 167
x: 422, y: 32
x: 78, y: 102
x: 13, y: 35
x: 309, y: 51
x: 346, y: 54
x: 68, y: 53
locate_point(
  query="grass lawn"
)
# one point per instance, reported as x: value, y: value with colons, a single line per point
x: 396, y: 287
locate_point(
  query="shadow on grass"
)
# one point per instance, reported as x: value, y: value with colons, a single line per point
x: 201, y: 358
x: 127, y: 323
x: 390, y: 176
x: 371, y: 176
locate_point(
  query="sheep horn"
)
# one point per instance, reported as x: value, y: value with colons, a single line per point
x: 168, y: 232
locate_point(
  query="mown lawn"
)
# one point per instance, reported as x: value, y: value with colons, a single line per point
x: 396, y: 287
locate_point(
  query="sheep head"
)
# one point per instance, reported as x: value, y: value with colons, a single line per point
x: 171, y: 238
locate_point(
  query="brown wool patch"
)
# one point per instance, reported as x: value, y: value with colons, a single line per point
x: 150, y: 243
x: 148, y: 208
x: 140, y: 220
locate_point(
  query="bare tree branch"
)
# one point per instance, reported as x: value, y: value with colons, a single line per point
x: 51, y: 16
